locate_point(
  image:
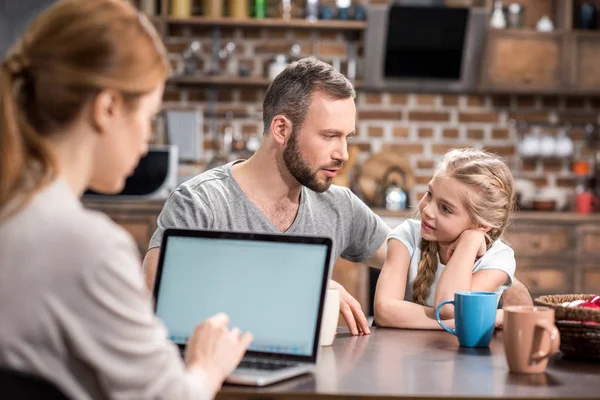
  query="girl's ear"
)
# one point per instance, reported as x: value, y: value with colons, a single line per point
x: 485, y: 229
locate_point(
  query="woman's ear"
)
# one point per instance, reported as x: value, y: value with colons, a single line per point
x: 281, y: 129
x: 103, y: 110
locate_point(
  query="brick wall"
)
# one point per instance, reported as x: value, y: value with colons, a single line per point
x: 420, y: 126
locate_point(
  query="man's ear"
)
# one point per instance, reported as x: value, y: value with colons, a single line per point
x: 103, y: 109
x: 281, y: 129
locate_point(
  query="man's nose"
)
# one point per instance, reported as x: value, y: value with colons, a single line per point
x: 341, y: 153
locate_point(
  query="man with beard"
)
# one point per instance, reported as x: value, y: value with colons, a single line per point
x: 285, y: 187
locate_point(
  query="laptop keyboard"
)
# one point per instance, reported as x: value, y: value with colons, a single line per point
x: 265, y: 365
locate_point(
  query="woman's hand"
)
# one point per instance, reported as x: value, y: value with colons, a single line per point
x: 471, y: 236
x: 216, y: 350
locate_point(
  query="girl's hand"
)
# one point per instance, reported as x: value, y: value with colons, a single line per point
x: 469, y: 235
x: 499, y: 324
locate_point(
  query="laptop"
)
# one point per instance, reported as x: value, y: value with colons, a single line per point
x: 271, y: 285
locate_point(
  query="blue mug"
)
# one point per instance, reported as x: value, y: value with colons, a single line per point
x: 474, y: 317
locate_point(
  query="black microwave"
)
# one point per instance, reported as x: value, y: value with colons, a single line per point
x: 154, y: 178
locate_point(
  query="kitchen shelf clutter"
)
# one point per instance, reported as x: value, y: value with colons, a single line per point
x: 193, y: 21
x: 532, y: 46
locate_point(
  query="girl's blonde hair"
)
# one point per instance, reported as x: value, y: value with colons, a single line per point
x: 71, y: 52
x: 489, y: 203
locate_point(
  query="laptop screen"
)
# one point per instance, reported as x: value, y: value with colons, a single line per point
x: 270, y: 288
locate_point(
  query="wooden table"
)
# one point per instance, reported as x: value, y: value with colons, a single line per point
x: 393, y: 363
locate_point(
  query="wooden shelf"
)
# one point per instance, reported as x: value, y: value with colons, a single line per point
x: 526, y: 33
x: 266, y: 23
x: 225, y: 80
x: 592, y: 34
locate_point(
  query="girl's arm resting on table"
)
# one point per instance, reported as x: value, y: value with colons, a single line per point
x: 458, y: 274
x: 392, y: 313
x: 391, y: 310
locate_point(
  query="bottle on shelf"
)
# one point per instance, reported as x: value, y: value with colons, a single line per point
x: 312, y: 10
x: 260, y: 8
x: 148, y: 7
x: 585, y: 198
x: 285, y: 9
x: 343, y: 7
x: 214, y: 8
x: 498, y: 20
x: 279, y: 64
x: 238, y: 8
x: 191, y: 56
x: 181, y: 8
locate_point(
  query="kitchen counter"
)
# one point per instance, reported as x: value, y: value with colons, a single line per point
x: 523, y: 215
x: 138, y: 206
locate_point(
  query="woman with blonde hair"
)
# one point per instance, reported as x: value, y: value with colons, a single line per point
x: 77, y: 96
x: 455, y: 245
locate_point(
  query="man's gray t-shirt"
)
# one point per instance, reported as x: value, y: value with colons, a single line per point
x: 214, y: 200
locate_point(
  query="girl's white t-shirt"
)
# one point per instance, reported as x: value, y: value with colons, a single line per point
x: 499, y: 256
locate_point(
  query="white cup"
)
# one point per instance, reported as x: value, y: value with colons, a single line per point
x: 329, y: 320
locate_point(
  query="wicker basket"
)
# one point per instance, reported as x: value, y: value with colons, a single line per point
x: 578, y: 337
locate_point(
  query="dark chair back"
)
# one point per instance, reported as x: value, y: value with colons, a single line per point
x: 26, y: 386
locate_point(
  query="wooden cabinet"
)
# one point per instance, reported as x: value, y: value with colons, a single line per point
x: 524, y: 60
x: 519, y: 61
x: 137, y: 218
x: 528, y: 240
x: 590, y: 279
x: 589, y: 244
x: 550, y: 279
x: 585, y: 71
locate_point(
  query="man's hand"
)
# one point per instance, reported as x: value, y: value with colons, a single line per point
x: 470, y: 235
x: 351, y: 311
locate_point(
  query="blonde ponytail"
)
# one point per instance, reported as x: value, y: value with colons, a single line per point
x: 426, y: 271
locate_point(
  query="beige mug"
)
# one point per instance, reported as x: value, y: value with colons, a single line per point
x: 530, y: 338
x: 329, y: 320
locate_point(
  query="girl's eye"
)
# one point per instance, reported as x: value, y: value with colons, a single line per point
x: 428, y: 193
x: 446, y: 210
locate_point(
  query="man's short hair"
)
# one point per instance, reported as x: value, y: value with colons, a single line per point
x: 290, y: 92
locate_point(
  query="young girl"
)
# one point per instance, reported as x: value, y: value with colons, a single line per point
x: 77, y: 96
x: 456, y: 245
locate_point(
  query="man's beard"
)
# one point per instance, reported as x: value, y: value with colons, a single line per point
x: 299, y: 168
